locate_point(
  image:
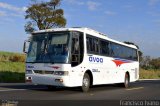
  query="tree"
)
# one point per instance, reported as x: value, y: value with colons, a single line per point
x: 155, y: 63
x: 145, y: 63
x: 44, y: 15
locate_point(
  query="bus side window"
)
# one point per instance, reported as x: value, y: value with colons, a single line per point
x: 104, y: 47
x: 96, y: 44
x: 92, y: 44
x: 89, y: 44
x: 111, y: 50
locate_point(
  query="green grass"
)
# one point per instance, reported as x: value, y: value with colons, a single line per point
x: 12, y: 67
x: 12, y: 72
x: 149, y: 74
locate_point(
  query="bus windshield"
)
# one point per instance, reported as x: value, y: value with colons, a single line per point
x: 49, y: 48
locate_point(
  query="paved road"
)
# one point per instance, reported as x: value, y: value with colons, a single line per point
x: 140, y: 90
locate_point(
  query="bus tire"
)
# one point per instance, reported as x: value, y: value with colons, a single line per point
x: 126, y: 81
x: 86, y: 83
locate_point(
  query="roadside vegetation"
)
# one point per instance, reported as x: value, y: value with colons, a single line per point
x: 149, y: 74
x: 12, y: 67
x: 150, y: 68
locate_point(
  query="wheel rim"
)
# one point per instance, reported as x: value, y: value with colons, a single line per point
x: 126, y: 81
x: 85, y: 82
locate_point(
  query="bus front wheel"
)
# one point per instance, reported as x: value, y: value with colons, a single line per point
x: 86, y: 83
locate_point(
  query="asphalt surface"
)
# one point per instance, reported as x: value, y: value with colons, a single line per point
x: 140, y: 90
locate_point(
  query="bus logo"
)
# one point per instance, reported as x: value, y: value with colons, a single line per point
x: 30, y: 66
x: 55, y: 67
x: 96, y: 59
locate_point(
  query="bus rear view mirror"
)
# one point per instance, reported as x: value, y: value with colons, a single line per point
x: 26, y: 46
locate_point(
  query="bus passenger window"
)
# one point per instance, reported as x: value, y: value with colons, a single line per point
x: 104, y: 48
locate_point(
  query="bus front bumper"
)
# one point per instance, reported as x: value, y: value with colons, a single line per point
x: 48, y: 80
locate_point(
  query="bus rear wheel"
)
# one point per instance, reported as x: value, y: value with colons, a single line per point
x: 86, y: 83
x: 126, y: 81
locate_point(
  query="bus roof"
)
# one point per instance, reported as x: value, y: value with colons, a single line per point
x: 88, y: 31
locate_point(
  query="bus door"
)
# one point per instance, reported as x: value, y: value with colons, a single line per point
x: 77, y: 53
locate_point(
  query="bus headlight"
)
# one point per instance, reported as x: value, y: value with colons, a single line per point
x: 61, y: 73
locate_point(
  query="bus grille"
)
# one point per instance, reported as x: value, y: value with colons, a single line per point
x: 43, y: 72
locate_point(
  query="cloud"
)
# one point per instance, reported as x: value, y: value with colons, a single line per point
x: 17, y: 15
x: 3, y: 13
x: 90, y: 4
x: 93, y: 5
x: 11, y: 10
x: 110, y: 13
x: 77, y: 2
x: 153, y: 2
x: 6, y: 21
x: 11, y: 7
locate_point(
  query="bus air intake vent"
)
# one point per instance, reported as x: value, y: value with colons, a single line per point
x: 43, y: 72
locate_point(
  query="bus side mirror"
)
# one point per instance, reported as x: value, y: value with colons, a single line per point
x: 26, y: 46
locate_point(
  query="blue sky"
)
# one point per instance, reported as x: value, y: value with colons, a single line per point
x: 137, y: 21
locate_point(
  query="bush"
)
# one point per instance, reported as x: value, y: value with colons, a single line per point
x: 11, y: 57
x: 4, y: 58
x: 17, y: 58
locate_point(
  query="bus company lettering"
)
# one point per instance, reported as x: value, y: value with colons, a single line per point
x: 30, y: 66
x: 96, y: 59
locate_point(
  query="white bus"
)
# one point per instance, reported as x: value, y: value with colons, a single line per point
x: 72, y: 57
